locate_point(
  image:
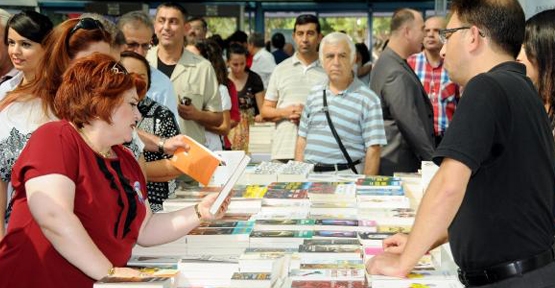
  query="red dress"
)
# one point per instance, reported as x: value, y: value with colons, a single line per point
x: 27, y: 259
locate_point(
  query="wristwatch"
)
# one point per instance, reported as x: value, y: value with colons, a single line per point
x: 198, y: 212
x: 161, y: 143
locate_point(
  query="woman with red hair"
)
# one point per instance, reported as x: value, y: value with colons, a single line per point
x: 30, y: 105
x: 80, y: 208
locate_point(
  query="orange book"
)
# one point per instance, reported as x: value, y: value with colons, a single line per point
x: 199, y: 162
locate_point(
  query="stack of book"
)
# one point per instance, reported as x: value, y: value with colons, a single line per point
x: 279, y: 238
x: 429, y: 277
x: 150, y: 277
x: 219, y: 238
x: 390, y: 220
x: 295, y: 171
x: 207, y: 270
x: 381, y: 192
x: 264, y: 259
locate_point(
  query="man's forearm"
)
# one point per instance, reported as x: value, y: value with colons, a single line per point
x: 437, y: 210
x: 209, y: 118
x: 372, y: 161
x: 299, y: 148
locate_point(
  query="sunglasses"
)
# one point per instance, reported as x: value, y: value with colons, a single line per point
x: 86, y: 24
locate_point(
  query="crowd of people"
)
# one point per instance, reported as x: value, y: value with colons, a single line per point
x: 91, y: 111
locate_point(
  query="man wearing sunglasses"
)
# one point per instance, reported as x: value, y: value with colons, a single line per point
x: 192, y: 76
x: 493, y: 195
x: 138, y: 31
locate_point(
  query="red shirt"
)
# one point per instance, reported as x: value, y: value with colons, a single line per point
x: 27, y: 258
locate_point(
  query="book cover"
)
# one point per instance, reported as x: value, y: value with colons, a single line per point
x: 135, y: 282
x: 228, y: 186
x: 199, y: 162
x: 335, y: 234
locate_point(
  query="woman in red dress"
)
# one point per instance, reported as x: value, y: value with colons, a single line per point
x: 80, y: 201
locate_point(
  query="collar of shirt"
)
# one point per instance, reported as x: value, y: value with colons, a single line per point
x: 297, y: 61
x: 353, y: 87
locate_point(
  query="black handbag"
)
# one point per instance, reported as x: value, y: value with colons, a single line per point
x: 341, y: 147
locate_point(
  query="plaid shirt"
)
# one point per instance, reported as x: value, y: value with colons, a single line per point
x: 436, y: 83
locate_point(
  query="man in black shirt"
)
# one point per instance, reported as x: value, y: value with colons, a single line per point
x: 493, y: 195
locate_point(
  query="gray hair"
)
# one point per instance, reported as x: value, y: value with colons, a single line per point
x: 4, y: 17
x: 134, y: 18
x: 335, y: 38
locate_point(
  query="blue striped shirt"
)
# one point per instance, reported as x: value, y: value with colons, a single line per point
x: 356, y: 114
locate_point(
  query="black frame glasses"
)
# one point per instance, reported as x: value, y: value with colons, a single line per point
x: 84, y: 23
x: 445, y: 34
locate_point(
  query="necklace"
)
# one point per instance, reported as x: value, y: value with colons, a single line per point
x: 107, y: 154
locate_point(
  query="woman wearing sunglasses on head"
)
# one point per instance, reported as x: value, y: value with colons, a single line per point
x: 80, y: 208
x: 30, y: 104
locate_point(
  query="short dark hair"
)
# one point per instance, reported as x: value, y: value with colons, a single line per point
x: 140, y: 58
x: 238, y: 36
x: 278, y: 40
x: 539, y: 44
x: 29, y: 24
x: 307, y: 19
x: 364, y: 53
x: 257, y: 40
x: 501, y: 20
x: 401, y: 17
x: 235, y: 49
x: 175, y: 6
x: 204, y: 24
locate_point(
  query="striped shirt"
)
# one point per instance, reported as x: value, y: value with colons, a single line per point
x: 443, y: 93
x: 356, y: 114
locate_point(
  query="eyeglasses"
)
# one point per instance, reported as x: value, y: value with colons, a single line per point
x: 445, y: 34
x: 118, y: 69
x: 135, y: 45
x: 84, y: 23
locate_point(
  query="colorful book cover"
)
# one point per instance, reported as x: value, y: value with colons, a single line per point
x: 251, y: 276
x: 335, y: 234
x: 281, y: 234
x: 329, y: 249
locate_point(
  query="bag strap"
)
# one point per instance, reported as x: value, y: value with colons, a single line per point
x: 341, y: 147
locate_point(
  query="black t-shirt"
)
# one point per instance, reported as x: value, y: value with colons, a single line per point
x: 501, y: 132
x: 166, y: 69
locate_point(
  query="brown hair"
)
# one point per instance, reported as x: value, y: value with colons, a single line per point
x: 501, y: 20
x: 58, y: 53
x: 93, y: 87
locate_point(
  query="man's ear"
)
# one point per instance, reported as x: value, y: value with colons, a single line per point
x: 475, y: 38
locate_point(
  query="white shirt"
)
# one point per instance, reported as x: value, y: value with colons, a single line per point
x: 263, y: 64
x: 10, y: 85
x: 213, y: 140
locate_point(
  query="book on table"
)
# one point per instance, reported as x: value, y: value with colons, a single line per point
x: 151, y: 277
